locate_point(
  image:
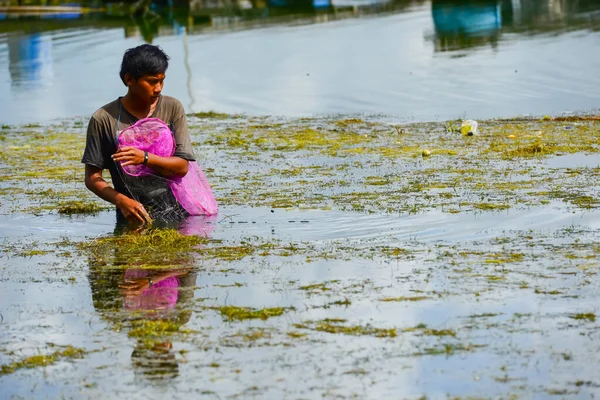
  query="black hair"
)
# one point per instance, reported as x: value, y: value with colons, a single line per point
x: 145, y: 59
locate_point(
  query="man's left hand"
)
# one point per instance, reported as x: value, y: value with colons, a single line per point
x: 129, y: 156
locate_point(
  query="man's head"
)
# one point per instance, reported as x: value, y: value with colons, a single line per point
x: 143, y: 71
x: 143, y: 60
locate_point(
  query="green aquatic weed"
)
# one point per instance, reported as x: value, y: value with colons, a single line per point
x: 233, y: 313
x: 41, y: 360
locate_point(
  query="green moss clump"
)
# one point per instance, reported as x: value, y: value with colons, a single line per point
x: 315, y: 287
x: 252, y: 335
x: 155, y: 246
x: 404, y: 298
x: 550, y: 292
x: 376, y: 181
x: 42, y: 360
x: 233, y: 313
x: 532, y: 149
x: 357, y: 371
x: 395, y: 252
x: 79, y: 207
x: 584, y: 316
x: 32, y: 252
x: 449, y: 349
x: 490, y: 206
x: 296, y: 335
x: 212, y: 115
x: 483, y: 315
x: 576, y: 199
x: 500, y: 258
x: 148, y: 329
x: 335, y: 325
x: 230, y: 253
x: 422, y: 328
x: 349, y: 121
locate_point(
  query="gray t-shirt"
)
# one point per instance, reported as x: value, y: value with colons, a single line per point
x: 101, y: 142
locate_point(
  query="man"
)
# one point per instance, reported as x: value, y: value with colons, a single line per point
x: 138, y: 199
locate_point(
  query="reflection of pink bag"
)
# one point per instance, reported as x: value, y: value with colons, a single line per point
x: 161, y: 296
x: 198, y: 225
x: 192, y: 191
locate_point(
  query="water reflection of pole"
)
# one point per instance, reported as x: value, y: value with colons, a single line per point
x: 516, y: 12
x: 186, y: 61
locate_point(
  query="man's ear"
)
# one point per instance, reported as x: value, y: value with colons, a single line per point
x: 129, y: 80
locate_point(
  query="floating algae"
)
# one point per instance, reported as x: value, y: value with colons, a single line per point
x: 424, y: 330
x: 336, y: 326
x: 80, y: 207
x: 42, y: 360
x: 154, y: 329
x: 584, y: 316
x: 404, y: 298
x: 233, y: 313
x: 155, y: 246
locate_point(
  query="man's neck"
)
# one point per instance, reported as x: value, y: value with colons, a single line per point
x: 134, y: 107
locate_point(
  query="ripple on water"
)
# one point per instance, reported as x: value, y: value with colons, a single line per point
x: 433, y: 226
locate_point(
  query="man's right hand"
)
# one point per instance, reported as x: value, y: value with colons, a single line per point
x: 133, y: 210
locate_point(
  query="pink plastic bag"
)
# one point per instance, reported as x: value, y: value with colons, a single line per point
x: 192, y: 191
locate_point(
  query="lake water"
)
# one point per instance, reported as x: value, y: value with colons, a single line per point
x: 369, y: 270
x: 373, y: 272
x: 410, y: 60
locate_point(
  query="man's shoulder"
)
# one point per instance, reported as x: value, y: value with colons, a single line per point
x: 172, y: 103
x: 108, y: 111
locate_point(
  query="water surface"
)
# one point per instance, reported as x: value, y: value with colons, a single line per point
x: 482, y: 262
x: 469, y: 273
x: 410, y: 60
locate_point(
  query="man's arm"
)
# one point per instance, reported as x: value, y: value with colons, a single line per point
x: 163, y: 166
x: 174, y: 166
x: 131, y: 209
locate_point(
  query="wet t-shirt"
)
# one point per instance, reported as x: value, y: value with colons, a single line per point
x: 101, y: 143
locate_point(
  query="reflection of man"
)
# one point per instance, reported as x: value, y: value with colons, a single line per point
x: 151, y: 297
x: 155, y: 363
x: 150, y: 301
x: 156, y: 293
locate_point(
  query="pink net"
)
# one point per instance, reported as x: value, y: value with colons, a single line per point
x: 151, y: 135
x: 192, y: 191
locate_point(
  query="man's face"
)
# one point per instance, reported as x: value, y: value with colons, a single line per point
x: 147, y: 88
